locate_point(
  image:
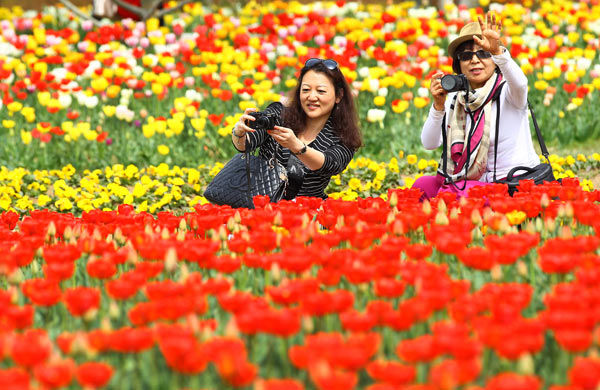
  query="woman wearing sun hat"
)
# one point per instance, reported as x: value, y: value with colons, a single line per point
x: 493, y: 77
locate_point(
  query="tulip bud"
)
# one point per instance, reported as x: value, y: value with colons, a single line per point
x: 308, y: 324
x: 96, y: 235
x: 305, y: 220
x: 180, y: 236
x: 441, y: 218
x: 237, y: 217
x: 539, y: 225
x: 278, y: 219
x: 275, y: 272
x: 165, y: 234
x: 390, y: 218
x: 68, y: 233
x: 171, y: 260
x: 35, y: 267
x: 529, y: 227
x: 565, y: 232
x: 398, y: 227
x: 522, y: 268
x: 14, y: 295
x: 496, y: 272
x: 231, y: 329
x: 441, y: 206
x: 476, y: 217
x: 118, y: 235
x: 454, y: 213
x: 569, y: 212
x: 545, y: 200
x: 427, y: 207
x: 51, y: 231
x: 182, y: 225
x: 393, y: 200
x: 184, y: 273
x: 114, y: 310
x: 550, y: 224
x: 15, y: 277
x: 148, y: 230
x: 132, y: 257
x: 526, y: 365
x: 90, y: 315
x: 223, y: 234
x: 230, y: 224
x: 105, y: 324
x: 340, y: 221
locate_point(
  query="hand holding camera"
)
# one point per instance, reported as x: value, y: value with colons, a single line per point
x: 437, y: 91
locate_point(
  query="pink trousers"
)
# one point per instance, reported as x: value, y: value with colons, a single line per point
x: 432, y: 185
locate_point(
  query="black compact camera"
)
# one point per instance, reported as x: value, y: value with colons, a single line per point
x: 453, y: 83
x: 263, y: 121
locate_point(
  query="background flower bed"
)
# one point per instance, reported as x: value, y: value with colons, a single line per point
x: 143, y: 94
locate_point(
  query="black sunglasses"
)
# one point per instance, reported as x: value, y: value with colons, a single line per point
x: 329, y: 64
x: 468, y: 55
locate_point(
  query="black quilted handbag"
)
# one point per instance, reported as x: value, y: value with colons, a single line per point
x: 539, y: 174
x: 246, y: 176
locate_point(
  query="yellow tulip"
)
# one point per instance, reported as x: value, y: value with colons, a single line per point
x: 14, y: 106
x: 8, y: 124
x: 163, y: 149
x: 26, y: 137
x: 379, y: 101
x: 109, y: 111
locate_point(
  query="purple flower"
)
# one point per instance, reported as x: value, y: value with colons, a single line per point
x: 137, y: 123
x: 108, y: 141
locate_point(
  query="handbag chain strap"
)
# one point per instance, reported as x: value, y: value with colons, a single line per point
x: 535, y: 125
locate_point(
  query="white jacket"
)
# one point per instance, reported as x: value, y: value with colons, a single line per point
x: 515, y: 146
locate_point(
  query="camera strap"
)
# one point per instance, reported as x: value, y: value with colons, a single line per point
x: 447, y: 177
x: 538, y: 133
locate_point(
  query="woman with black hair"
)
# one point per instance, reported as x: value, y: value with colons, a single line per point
x: 469, y: 119
x: 319, y: 130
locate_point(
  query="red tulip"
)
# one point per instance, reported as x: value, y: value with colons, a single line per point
x: 514, y: 382
x: 94, y: 374
x: 80, y: 300
x: 55, y: 375
x: 42, y: 292
x: 391, y: 372
x: 14, y: 378
x: 31, y: 348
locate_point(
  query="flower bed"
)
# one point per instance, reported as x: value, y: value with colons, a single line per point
x: 487, y: 291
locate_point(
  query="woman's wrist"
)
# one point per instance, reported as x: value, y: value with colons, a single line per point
x: 301, y: 150
x: 235, y: 134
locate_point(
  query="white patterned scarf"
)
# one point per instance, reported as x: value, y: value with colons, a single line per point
x: 458, y: 137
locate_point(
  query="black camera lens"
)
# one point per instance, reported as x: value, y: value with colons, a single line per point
x: 453, y: 83
x: 263, y: 121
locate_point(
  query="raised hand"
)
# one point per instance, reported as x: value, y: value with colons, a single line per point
x: 490, y: 31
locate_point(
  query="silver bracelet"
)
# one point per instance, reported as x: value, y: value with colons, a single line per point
x: 234, y: 133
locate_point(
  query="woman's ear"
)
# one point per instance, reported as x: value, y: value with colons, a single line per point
x: 339, y: 96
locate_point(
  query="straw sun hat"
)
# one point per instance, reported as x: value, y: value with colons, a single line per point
x: 466, y: 34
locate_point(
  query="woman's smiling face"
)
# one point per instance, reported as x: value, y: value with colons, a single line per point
x: 317, y: 95
x: 477, y: 70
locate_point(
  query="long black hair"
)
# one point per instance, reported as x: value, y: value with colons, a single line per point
x: 344, y: 116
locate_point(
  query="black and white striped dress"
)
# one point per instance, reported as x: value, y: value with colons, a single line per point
x: 337, y: 155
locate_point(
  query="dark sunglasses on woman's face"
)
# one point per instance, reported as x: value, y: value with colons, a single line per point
x: 329, y: 64
x: 468, y: 55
